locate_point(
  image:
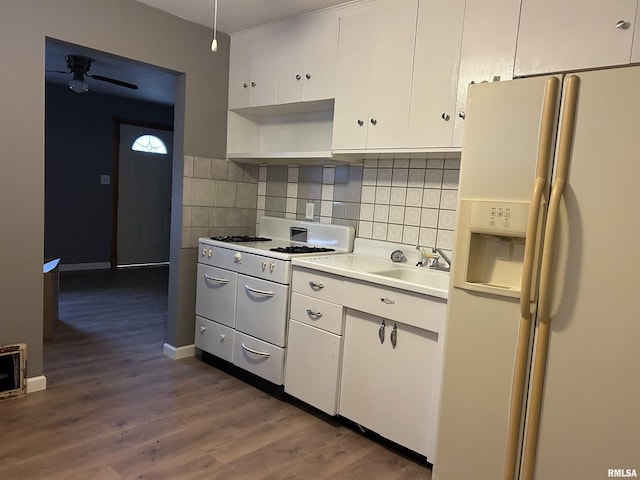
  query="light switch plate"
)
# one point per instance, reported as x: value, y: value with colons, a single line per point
x: 105, y: 179
x: 309, y: 212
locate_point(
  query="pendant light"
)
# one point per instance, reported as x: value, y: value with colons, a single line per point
x: 214, y: 42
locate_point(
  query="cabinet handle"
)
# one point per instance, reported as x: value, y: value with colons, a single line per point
x: 314, y: 313
x: 360, y: 122
x: 374, y: 121
x: 255, y: 352
x: 308, y: 75
x: 445, y: 117
x: 253, y: 84
x: 214, y: 279
x: 264, y: 293
x: 461, y: 115
x: 202, y: 330
x: 298, y: 77
x: 245, y: 85
x: 222, y: 337
x: 393, y: 336
x: 381, y: 332
x: 317, y: 286
x: 622, y: 25
x: 388, y: 301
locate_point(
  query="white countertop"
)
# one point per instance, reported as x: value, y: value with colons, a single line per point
x: 405, y: 276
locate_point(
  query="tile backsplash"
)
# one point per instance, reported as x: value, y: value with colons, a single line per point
x: 219, y: 198
x: 399, y: 200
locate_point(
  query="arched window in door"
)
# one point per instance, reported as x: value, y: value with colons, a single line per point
x: 149, y: 144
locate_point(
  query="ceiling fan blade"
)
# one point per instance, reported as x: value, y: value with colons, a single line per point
x: 114, y: 81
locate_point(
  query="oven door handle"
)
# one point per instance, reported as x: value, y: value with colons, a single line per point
x: 214, y: 279
x: 264, y: 293
x: 255, y: 352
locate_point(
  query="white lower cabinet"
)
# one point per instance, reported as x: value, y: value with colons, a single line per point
x: 313, y: 366
x: 389, y: 379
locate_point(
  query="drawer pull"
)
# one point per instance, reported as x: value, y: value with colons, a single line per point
x: 381, y: 332
x: 264, y: 293
x: 202, y: 329
x: 317, y: 286
x: 393, y: 336
x: 255, y: 352
x: 314, y: 313
x: 388, y: 301
x: 214, y: 279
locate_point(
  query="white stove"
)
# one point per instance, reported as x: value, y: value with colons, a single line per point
x: 242, y: 299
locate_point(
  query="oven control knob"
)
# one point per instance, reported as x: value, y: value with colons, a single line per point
x: 237, y: 257
x: 210, y: 252
x: 264, y: 265
x: 204, y: 252
x: 272, y: 267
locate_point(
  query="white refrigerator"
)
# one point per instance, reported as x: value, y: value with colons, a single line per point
x: 542, y: 352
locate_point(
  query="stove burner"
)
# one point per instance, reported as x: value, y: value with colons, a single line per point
x: 301, y: 249
x: 240, y: 239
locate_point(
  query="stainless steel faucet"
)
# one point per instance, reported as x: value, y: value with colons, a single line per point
x: 432, y: 259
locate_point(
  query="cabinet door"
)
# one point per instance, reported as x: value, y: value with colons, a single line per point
x: 435, y: 73
x: 263, y: 68
x: 321, y: 60
x: 390, y: 87
x: 410, y: 383
x: 239, y: 72
x: 362, y: 385
x: 488, y: 49
x: 375, y: 61
x: 557, y: 36
x: 307, y: 61
x: 355, y: 51
x: 291, y: 53
x: 313, y: 366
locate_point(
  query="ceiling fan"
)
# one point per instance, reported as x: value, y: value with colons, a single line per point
x: 80, y: 65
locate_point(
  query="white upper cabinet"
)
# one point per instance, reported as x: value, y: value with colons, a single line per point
x: 307, y: 60
x: 435, y: 73
x: 563, y: 35
x: 488, y: 49
x: 252, y: 70
x: 375, y: 62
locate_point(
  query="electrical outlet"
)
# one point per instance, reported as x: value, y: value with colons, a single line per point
x: 309, y: 212
x: 105, y: 179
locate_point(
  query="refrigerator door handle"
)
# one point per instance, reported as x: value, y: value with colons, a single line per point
x: 545, y: 144
x: 538, y: 364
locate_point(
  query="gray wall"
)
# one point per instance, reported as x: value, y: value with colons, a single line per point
x: 79, y: 147
x: 120, y: 27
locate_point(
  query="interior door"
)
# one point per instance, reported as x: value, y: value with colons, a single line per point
x: 144, y: 198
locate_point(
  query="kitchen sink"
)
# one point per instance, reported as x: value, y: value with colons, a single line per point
x: 415, y: 275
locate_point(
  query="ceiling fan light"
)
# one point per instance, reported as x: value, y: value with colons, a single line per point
x: 79, y: 86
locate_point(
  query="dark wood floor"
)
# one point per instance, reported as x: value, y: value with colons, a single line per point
x: 116, y: 408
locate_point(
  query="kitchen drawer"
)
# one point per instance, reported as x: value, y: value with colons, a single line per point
x: 312, y: 311
x: 324, y: 286
x: 214, y: 338
x: 313, y: 366
x: 258, y: 357
x: 410, y: 308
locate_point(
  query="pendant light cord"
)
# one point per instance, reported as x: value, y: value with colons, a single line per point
x: 214, y: 42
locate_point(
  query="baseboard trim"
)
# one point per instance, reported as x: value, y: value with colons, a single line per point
x: 36, y: 384
x: 75, y: 267
x: 180, y: 352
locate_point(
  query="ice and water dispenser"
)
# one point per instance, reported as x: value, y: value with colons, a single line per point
x: 490, y: 246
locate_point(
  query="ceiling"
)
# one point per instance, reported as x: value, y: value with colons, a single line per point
x: 157, y: 84
x: 237, y: 15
